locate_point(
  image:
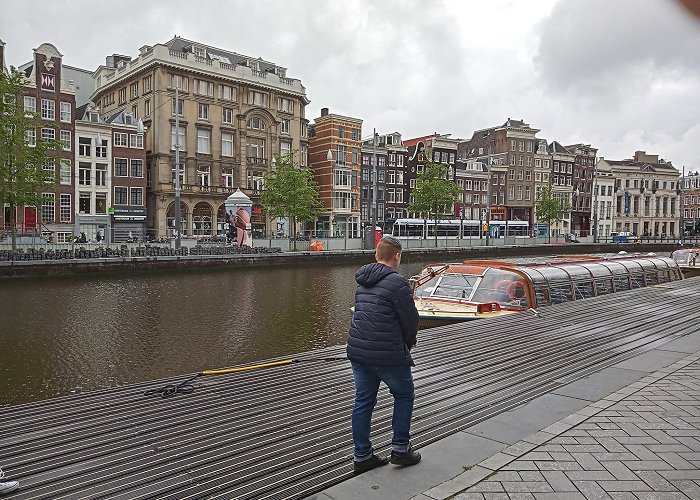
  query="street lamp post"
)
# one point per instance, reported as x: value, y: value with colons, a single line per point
x: 177, y: 167
x: 375, y: 181
x: 595, y: 203
x: 487, y: 221
x: 682, y: 207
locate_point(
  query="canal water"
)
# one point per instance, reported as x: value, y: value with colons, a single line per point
x: 63, y: 335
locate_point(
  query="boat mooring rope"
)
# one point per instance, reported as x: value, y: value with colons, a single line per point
x: 187, y: 386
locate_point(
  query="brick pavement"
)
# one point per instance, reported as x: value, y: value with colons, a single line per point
x: 639, y: 443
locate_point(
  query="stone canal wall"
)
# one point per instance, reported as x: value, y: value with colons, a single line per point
x: 114, y: 264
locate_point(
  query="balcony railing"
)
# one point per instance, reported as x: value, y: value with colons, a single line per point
x: 256, y: 160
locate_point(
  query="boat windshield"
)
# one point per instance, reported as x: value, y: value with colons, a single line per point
x: 493, y: 285
x: 686, y: 256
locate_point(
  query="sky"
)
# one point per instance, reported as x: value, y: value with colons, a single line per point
x: 619, y: 75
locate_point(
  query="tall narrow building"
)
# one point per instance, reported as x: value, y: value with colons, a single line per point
x: 335, y: 149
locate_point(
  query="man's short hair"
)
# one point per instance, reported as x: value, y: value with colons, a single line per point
x: 387, y: 247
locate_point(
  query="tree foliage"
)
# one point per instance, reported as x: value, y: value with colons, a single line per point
x: 550, y: 208
x: 434, y: 194
x: 22, y: 172
x: 291, y: 191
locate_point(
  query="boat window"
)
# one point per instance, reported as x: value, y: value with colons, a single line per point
x: 455, y: 286
x: 583, y: 289
x: 604, y: 286
x: 637, y: 280
x: 560, y: 292
x: 502, y: 286
x: 427, y: 288
x: 597, y: 269
x: 622, y: 283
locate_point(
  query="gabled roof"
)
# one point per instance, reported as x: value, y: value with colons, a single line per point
x: 555, y: 148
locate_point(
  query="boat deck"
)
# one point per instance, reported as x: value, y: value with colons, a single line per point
x: 284, y: 432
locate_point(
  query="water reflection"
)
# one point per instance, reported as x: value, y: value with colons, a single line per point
x: 62, y: 335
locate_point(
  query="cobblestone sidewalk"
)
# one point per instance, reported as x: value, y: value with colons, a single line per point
x: 639, y: 443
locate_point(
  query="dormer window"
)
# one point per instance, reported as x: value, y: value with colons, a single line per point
x: 199, y: 51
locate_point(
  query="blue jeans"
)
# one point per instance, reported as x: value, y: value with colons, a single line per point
x: 400, y: 383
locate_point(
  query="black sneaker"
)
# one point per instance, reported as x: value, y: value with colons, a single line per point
x: 409, y: 457
x: 371, y: 463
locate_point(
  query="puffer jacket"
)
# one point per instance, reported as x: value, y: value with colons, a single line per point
x: 385, y: 322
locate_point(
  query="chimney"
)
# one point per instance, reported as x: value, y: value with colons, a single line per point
x: 324, y: 111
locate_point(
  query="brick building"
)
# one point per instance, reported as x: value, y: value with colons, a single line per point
x: 48, y: 94
x: 335, y: 148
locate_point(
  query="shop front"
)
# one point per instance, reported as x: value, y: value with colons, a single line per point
x: 128, y: 224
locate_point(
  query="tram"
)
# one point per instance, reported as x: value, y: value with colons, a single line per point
x: 451, y: 293
x: 458, y: 228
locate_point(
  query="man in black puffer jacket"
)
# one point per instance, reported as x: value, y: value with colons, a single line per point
x: 383, y: 330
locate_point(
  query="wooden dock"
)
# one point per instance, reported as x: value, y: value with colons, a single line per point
x: 284, y: 432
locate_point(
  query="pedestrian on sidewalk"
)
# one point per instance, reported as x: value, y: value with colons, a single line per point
x: 382, y: 332
x: 7, y: 486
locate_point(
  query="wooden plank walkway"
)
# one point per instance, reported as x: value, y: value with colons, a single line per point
x: 284, y: 432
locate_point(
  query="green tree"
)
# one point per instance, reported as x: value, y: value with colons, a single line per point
x: 550, y: 208
x: 291, y: 191
x: 22, y: 156
x: 434, y: 193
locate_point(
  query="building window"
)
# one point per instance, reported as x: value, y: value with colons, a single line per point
x: 256, y: 123
x: 29, y: 104
x: 121, y: 168
x: 84, y: 146
x: 286, y: 105
x: 66, y: 177
x: 285, y: 148
x: 255, y: 148
x: 30, y: 137
x: 146, y: 84
x: 135, y: 111
x: 226, y: 144
x: 284, y: 126
x: 136, y: 141
x: 101, y: 149
x: 84, y: 174
x: 203, y: 111
x: 65, y: 208
x: 134, y: 90
x: 84, y: 202
x: 146, y: 108
x: 304, y: 160
x: 179, y: 81
x: 120, y: 196
x: 65, y: 112
x: 137, y: 196
x: 121, y: 139
x: 48, y: 208
x: 122, y: 95
x: 227, y: 115
x: 177, y: 106
x: 100, y: 203
x: 203, y: 175
x: 66, y: 139
x: 136, y: 168
x: 227, y: 177
x: 203, y: 141
x: 100, y: 174
x: 227, y: 92
x: 257, y: 98
x: 513, y: 144
x: 180, y: 138
x: 202, y: 87
x: 341, y: 132
x: 48, y: 109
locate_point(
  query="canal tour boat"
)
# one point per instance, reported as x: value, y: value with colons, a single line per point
x: 451, y: 293
x: 688, y: 259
